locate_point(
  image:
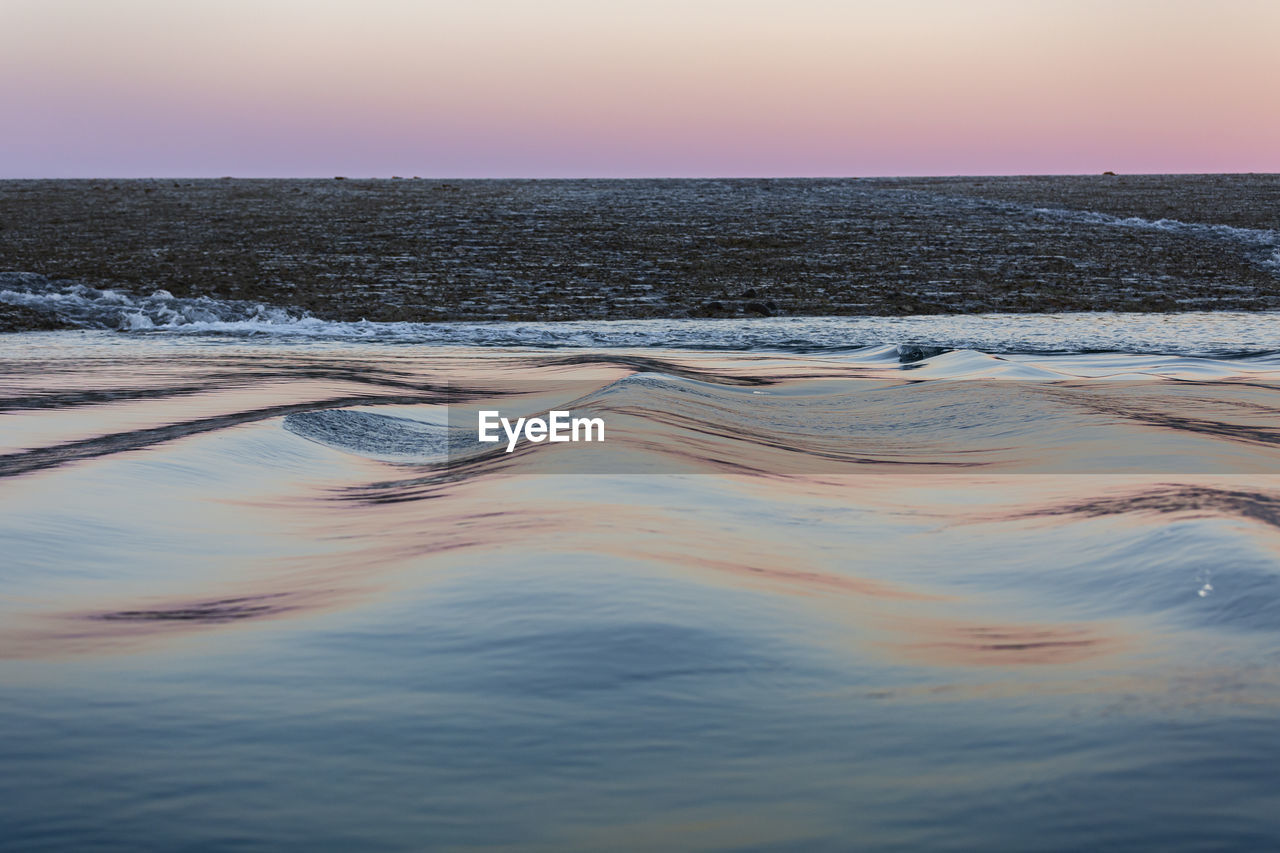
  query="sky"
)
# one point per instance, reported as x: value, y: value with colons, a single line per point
x: 617, y: 88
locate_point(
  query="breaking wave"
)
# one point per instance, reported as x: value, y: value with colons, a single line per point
x: 104, y: 308
x: 1215, y: 334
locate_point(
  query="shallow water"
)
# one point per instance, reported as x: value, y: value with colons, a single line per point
x: 256, y: 593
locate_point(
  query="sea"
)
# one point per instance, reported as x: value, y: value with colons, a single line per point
x: 952, y: 582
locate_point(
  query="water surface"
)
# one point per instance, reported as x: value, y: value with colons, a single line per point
x: 816, y: 591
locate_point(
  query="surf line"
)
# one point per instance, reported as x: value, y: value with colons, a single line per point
x: 558, y: 426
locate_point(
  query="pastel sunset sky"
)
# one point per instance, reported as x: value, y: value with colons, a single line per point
x: 569, y: 88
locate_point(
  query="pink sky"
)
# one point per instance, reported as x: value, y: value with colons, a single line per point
x: 568, y: 88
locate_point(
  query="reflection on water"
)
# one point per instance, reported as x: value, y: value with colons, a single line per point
x: 262, y: 596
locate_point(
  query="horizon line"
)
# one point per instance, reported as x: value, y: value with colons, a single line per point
x: 340, y: 177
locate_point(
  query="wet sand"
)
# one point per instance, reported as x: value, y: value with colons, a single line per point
x: 424, y: 250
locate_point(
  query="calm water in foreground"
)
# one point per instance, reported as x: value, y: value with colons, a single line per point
x: 255, y: 597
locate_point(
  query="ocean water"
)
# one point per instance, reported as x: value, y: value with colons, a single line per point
x: 509, y: 250
x: 1001, y: 582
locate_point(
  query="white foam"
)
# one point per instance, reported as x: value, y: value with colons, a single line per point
x: 99, y: 308
x: 1263, y: 245
x: 1235, y: 333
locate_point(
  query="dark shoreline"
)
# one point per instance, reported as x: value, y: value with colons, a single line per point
x: 428, y: 250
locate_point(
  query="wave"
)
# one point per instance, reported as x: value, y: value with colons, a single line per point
x: 916, y: 338
x: 1260, y: 246
x: 89, y: 307
x: 348, y: 472
x: 377, y: 436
